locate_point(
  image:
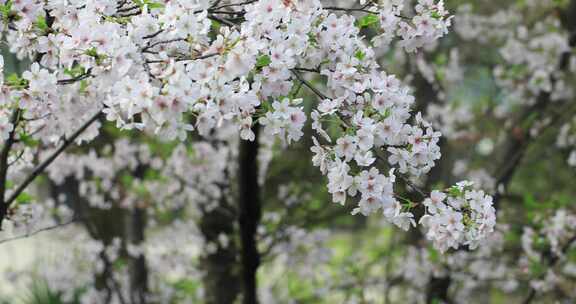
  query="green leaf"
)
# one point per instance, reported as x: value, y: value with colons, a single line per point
x: 155, y: 5
x: 14, y: 80
x: 360, y: 55
x: 92, y: 52
x: 151, y: 174
x: 434, y: 255
x: 126, y: 180
x: 263, y: 61
x: 41, y: 23
x: 312, y: 39
x: 6, y: 8
x: 454, y: 191
x: 75, y: 71
x: 24, y: 198
x: 441, y: 59
x: 537, y: 269
x: 83, y: 85
x: 149, y: 4
x: 215, y: 25
x: 186, y: 286
x: 367, y: 21
x: 28, y: 140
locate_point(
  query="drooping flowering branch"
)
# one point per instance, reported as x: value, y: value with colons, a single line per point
x: 170, y: 68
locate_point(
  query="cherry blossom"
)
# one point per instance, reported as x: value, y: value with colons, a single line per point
x: 178, y: 67
x: 461, y: 216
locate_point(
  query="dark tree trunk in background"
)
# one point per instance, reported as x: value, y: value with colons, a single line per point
x: 568, y: 18
x: 135, y: 234
x: 249, y: 209
x: 105, y: 226
x: 426, y: 93
x: 221, y: 269
x: 138, y: 269
x: 101, y: 225
x: 438, y: 290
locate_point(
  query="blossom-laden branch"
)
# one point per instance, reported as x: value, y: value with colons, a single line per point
x: 143, y: 63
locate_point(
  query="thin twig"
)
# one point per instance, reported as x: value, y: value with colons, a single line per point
x: 333, y: 8
x: 153, y: 35
x: 75, y: 79
x: 314, y: 70
x: 162, y: 42
x: 185, y: 59
x: 29, y: 234
x: 221, y: 20
x: 233, y: 4
x: 309, y: 85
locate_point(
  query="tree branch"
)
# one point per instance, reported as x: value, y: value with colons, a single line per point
x: 4, y: 164
x: 40, y: 168
x: 29, y: 234
x: 551, y: 262
x: 309, y: 85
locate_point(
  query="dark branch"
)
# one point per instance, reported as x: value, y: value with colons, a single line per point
x: 29, y: 234
x: 40, y: 168
x: 4, y: 164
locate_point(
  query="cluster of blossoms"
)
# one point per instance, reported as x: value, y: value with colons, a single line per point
x: 518, y: 76
x: 531, y: 54
x: 129, y: 176
x: 459, y: 216
x: 445, y: 75
x: 181, y: 65
x: 480, y: 177
x: 101, y: 178
x: 546, y: 246
x: 291, y: 246
x: 470, y: 271
x: 567, y: 140
x: 126, y: 174
x: 286, y: 121
x: 5, y: 122
x: 304, y: 253
x: 430, y: 22
x: 375, y: 124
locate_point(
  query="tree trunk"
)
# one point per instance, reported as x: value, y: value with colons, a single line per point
x: 138, y: 268
x: 438, y: 290
x: 221, y: 270
x: 249, y: 216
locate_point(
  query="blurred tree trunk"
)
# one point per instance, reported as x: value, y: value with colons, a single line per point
x: 426, y: 94
x: 138, y: 269
x: 105, y: 226
x: 249, y: 209
x: 135, y: 234
x: 221, y: 270
x: 101, y: 225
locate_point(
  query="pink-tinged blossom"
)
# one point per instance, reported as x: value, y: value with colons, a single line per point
x: 459, y: 216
